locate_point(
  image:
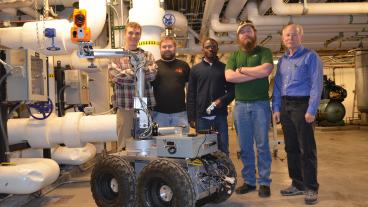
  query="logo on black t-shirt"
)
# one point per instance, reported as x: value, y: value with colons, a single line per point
x: 179, y: 70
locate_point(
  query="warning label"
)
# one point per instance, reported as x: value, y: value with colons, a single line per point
x: 148, y: 42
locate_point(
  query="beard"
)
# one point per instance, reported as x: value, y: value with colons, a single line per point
x: 249, y: 44
x: 168, y: 56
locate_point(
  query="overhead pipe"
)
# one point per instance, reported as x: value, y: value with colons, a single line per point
x: 197, y: 49
x: 16, y: 4
x: 10, y: 11
x: 181, y: 23
x: 32, y: 32
x: 29, y: 11
x: 281, y: 8
x: 30, y: 3
x: 252, y: 10
x: 211, y: 7
x: 270, y: 22
x: 233, y: 9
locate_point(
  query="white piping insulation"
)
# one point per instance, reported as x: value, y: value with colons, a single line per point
x: 15, y: 3
x: 10, y: 11
x: 148, y: 14
x: 28, y: 175
x: 74, y: 130
x: 62, y: 155
x: 30, y: 36
x: 281, y: 8
x: 30, y: 3
x: 233, y: 9
x: 211, y: 7
x: 181, y: 23
x: 307, y: 21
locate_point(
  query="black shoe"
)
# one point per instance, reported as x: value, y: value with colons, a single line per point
x: 245, y: 188
x: 291, y: 191
x: 264, y: 191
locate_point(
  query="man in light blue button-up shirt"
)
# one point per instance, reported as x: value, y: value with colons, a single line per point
x: 296, y: 96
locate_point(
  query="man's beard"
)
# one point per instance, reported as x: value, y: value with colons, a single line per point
x: 249, y: 44
x: 168, y: 56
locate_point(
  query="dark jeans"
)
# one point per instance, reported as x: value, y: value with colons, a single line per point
x: 220, y: 125
x: 300, y: 144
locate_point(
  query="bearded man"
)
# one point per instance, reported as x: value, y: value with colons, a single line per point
x: 248, y: 68
x: 169, y: 87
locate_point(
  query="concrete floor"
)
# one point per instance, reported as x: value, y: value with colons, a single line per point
x: 342, y: 174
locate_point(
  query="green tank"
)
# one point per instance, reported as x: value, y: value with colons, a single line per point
x: 331, y: 111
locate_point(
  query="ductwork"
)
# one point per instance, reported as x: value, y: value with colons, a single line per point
x: 281, y: 8
x: 30, y: 36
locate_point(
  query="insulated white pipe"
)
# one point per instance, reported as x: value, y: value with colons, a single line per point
x: 233, y: 9
x: 197, y: 49
x: 10, y: 11
x: 281, y: 8
x: 148, y: 14
x: 181, y: 23
x: 28, y: 175
x: 32, y: 32
x: 338, y: 22
x: 62, y: 155
x: 74, y: 130
x: 29, y: 11
x: 253, y: 14
x: 16, y: 4
x: 66, y: 3
x: 211, y: 7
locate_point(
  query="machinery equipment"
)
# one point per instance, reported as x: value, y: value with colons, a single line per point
x: 171, y: 169
x: 331, y: 111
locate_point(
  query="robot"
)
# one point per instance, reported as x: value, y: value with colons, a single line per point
x: 161, y: 166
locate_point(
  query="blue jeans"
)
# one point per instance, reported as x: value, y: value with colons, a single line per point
x: 172, y: 120
x: 220, y: 125
x: 252, y: 120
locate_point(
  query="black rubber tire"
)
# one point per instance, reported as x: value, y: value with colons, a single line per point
x: 163, y: 174
x: 228, y: 168
x: 113, y: 170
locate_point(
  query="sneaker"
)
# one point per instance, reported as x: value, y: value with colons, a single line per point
x: 245, y: 188
x: 264, y: 191
x: 291, y: 191
x: 311, y: 197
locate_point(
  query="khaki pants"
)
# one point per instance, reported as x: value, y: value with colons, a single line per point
x: 124, y: 126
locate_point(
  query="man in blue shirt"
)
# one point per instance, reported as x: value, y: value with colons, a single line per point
x: 296, y: 96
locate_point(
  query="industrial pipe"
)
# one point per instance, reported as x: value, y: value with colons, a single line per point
x: 281, y: 8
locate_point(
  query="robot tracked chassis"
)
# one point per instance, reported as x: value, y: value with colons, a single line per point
x: 163, y: 168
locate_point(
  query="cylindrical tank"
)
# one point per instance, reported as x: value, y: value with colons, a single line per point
x: 332, y: 111
x: 361, y: 80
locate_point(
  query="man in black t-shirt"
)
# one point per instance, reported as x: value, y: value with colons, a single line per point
x: 169, y: 87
